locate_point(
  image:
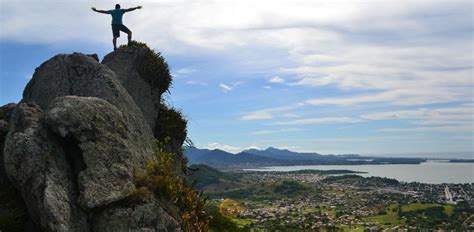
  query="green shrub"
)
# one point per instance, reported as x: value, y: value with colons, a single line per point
x: 161, y: 179
x: 171, y: 124
x: 154, y: 68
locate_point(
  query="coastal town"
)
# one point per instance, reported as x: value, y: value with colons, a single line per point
x: 307, y: 201
x: 426, y: 193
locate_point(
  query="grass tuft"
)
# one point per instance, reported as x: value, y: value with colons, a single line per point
x: 154, y: 68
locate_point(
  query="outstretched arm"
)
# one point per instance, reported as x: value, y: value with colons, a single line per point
x: 133, y: 8
x: 100, y: 11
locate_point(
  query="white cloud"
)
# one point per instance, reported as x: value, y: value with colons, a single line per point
x: 258, y: 115
x: 291, y: 148
x: 292, y: 129
x: 463, y: 114
x: 466, y: 128
x: 270, y: 113
x: 394, y: 72
x: 191, y: 82
x: 224, y: 147
x: 267, y: 87
x: 230, y: 87
x: 183, y: 72
x: 266, y: 132
x: 403, y: 96
x: 177, y: 25
x: 385, y: 45
x: 360, y: 139
x: 263, y: 132
x: 277, y: 80
x: 290, y: 115
x: 225, y: 87
x: 309, y: 121
x: 252, y: 147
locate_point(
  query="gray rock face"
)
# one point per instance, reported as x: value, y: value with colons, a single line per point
x: 149, y: 216
x: 5, y: 115
x: 81, y: 75
x: 74, y: 143
x: 103, y: 147
x: 38, y: 167
x: 125, y: 62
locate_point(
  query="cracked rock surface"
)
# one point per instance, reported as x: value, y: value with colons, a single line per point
x: 73, y: 144
x: 126, y: 63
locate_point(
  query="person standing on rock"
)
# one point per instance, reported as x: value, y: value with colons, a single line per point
x: 117, y: 24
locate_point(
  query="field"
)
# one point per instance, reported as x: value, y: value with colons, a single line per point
x: 448, y: 209
x: 390, y: 218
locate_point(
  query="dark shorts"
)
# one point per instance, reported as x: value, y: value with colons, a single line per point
x: 116, y: 28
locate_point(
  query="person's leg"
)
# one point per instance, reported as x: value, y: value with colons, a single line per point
x: 126, y: 30
x: 114, y: 41
x: 116, y: 34
x: 129, y: 37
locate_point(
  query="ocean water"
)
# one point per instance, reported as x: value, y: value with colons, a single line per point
x: 429, y: 155
x: 431, y: 172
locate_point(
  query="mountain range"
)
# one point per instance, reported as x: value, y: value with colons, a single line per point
x: 282, y: 157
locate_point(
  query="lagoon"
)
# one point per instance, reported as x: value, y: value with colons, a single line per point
x: 431, y: 172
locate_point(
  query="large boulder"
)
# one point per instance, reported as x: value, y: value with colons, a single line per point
x: 38, y: 166
x: 81, y: 75
x: 144, y: 74
x: 100, y: 145
x: 74, y: 143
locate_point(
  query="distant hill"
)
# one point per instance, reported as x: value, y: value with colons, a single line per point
x: 219, y: 158
x: 194, y: 154
x: 284, y: 154
x: 282, y: 157
x: 206, y: 175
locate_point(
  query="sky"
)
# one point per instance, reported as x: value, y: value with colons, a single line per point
x: 333, y: 77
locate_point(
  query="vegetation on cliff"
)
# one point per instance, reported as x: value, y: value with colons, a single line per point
x: 161, y: 179
x: 171, y: 124
x: 154, y: 68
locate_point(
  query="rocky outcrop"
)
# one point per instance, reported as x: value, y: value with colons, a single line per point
x: 134, y: 69
x: 81, y: 75
x: 75, y: 141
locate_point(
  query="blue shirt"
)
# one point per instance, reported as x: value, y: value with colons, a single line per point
x: 117, y: 15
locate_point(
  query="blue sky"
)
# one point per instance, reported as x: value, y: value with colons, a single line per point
x: 368, y: 77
